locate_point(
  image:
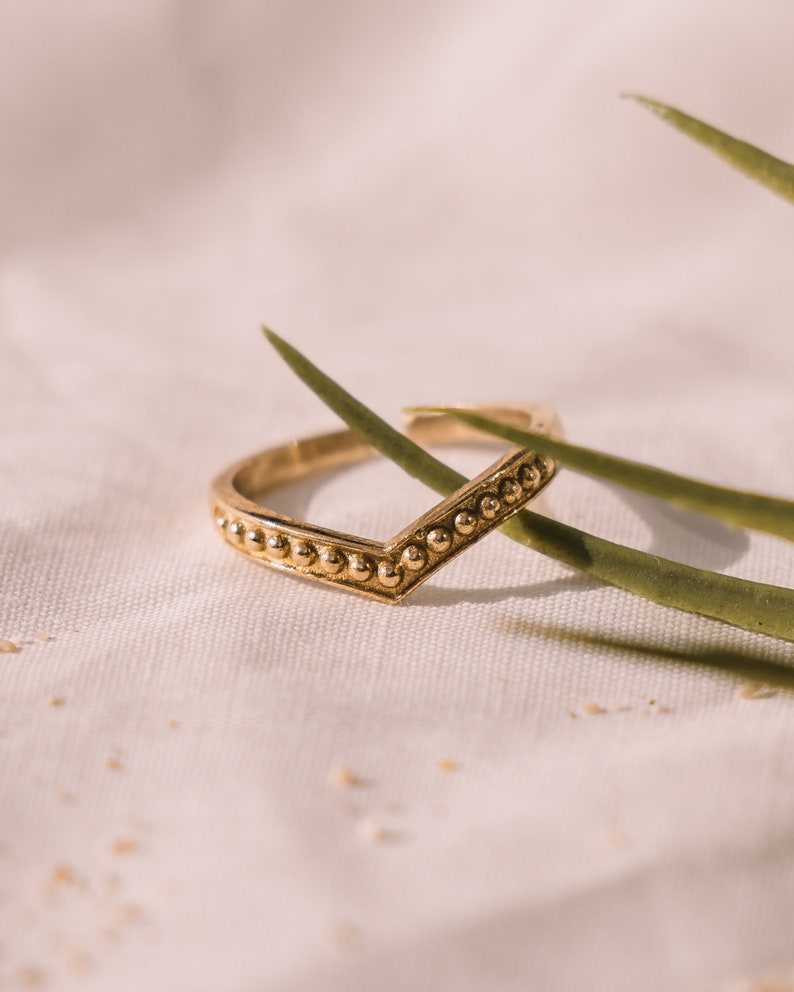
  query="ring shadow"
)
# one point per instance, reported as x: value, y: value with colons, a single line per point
x: 685, y: 536
x: 448, y: 596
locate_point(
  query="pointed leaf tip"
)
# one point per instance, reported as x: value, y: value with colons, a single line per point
x: 766, y: 169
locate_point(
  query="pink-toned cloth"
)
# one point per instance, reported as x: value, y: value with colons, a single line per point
x: 437, y: 202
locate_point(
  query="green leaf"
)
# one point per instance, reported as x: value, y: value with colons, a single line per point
x: 770, y: 514
x: 754, y: 606
x: 771, y: 172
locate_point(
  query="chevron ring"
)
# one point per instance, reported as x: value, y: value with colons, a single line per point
x: 386, y: 571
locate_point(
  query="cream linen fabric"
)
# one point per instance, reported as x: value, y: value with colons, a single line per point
x: 436, y: 202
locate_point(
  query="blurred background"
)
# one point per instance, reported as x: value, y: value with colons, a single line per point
x: 437, y: 202
x: 367, y: 172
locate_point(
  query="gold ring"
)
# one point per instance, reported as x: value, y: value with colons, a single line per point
x: 386, y: 571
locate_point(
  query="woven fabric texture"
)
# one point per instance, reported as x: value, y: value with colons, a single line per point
x: 437, y: 202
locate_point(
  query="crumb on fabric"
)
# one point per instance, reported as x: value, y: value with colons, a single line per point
x: 66, y: 798
x: 173, y: 724
x: 7, y: 647
x: 370, y: 830
x: 749, y: 690
x: 591, y: 709
x: 616, y: 837
x: 342, y: 775
x: 124, y: 845
x: 63, y: 875
x: 344, y: 935
x: 113, y: 764
x: 78, y: 960
x: 56, y: 701
x: 446, y: 765
x: 112, y: 881
x: 31, y: 977
x: 42, y: 635
x: 129, y: 913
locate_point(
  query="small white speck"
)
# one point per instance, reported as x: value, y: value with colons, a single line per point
x: 370, y: 830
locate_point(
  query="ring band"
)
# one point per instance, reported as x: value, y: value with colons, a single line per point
x: 387, y: 571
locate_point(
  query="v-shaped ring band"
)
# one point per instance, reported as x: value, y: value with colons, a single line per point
x: 386, y: 571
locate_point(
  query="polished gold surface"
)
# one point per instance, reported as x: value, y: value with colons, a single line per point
x: 386, y: 571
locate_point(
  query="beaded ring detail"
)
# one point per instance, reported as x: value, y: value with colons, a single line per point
x: 385, y: 571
